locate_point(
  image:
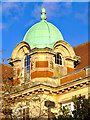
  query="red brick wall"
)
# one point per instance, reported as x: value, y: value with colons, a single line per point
x: 18, y: 71
x: 38, y: 74
x: 16, y: 81
x: 72, y: 77
x: 41, y: 64
x: 69, y: 70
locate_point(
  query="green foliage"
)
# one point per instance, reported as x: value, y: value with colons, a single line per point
x: 81, y: 108
x: 64, y: 113
x: 80, y: 112
x: 63, y: 110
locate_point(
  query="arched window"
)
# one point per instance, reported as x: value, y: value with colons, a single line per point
x: 27, y: 63
x: 27, y: 68
x: 58, y: 59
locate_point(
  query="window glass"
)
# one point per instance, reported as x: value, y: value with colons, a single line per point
x: 27, y: 68
x: 27, y: 110
x: 58, y: 59
x: 23, y: 113
x: 69, y: 106
x: 27, y: 62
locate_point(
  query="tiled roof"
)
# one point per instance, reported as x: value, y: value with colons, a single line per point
x: 6, y: 73
x: 82, y: 50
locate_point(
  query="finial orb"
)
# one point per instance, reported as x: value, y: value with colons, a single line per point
x: 43, y: 16
x: 43, y: 11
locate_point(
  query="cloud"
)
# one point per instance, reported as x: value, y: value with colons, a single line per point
x: 0, y: 25
x: 3, y: 26
x: 11, y: 0
x: 52, y: 0
x: 0, y: 8
x: 11, y: 12
x: 12, y: 8
x: 83, y: 16
x: 45, y: 0
x: 65, y: 0
x: 30, y: 23
x: 52, y: 9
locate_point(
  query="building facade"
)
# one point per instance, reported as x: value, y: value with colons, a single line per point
x: 46, y: 68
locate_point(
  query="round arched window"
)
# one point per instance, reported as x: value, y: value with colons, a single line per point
x: 27, y: 63
x: 58, y: 59
x: 27, y: 68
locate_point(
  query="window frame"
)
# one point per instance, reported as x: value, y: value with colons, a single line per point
x: 58, y: 59
x: 27, y: 63
x: 67, y: 105
x: 22, y: 116
x: 25, y: 68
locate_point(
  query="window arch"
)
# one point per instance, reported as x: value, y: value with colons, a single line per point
x: 58, y: 59
x: 27, y: 63
x: 26, y: 68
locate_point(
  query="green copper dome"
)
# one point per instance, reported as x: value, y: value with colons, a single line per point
x: 43, y: 34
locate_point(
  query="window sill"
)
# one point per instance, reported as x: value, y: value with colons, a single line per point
x: 59, y: 65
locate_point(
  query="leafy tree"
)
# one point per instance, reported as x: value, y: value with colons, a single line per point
x: 81, y: 108
x: 64, y: 113
x: 80, y: 112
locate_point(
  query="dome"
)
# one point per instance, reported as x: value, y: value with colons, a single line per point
x: 42, y: 34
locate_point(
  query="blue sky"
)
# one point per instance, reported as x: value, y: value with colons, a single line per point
x: 45, y: 0
x: 71, y: 18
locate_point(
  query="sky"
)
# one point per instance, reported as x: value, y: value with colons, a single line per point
x: 71, y: 18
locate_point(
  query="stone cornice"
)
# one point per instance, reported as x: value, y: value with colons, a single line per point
x: 40, y: 88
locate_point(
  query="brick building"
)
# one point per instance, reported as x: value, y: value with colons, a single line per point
x: 43, y: 68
